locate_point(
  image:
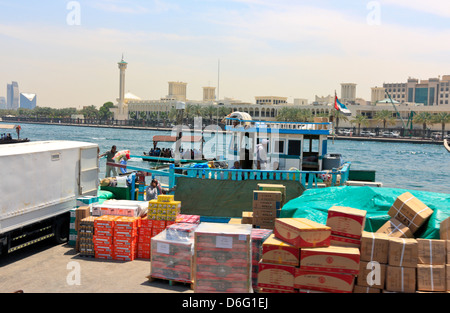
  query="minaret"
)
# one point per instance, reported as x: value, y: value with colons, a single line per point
x: 122, y: 67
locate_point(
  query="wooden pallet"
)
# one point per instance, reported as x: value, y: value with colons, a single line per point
x: 171, y: 282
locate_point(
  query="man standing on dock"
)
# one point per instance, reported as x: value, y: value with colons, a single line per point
x: 110, y: 159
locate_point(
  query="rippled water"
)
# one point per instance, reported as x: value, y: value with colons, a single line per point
x: 399, y: 165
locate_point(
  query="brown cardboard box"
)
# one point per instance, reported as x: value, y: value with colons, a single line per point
x: 274, y: 187
x: 365, y: 289
x: 431, y: 277
x: 323, y: 281
x: 371, y: 275
x: 247, y: 218
x: 431, y: 251
x: 344, y: 241
x: 80, y: 213
x: 444, y: 229
x: 447, y: 243
x: 276, y: 276
x: 410, y: 211
x: 266, y: 204
x: 403, y: 252
x: 302, y: 232
x: 447, y: 274
x: 345, y: 221
x: 274, y: 213
x: 330, y: 259
x: 394, y: 228
x: 279, y: 252
x: 374, y: 247
x: 264, y: 222
x: 400, y: 279
x: 263, y: 195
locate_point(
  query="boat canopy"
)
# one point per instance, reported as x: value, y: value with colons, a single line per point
x: 174, y: 139
x: 8, y: 126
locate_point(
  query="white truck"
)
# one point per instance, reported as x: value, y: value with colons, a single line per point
x: 39, y: 185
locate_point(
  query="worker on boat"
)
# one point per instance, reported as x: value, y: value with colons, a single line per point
x: 153, y: 190
x: 261, y: 155
x: 110, y: 159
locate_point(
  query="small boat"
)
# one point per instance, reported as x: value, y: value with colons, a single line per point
x: 447, y: 145
x: 9, y: 139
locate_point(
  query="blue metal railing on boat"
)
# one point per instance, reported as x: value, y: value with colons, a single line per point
x: 309, y: 179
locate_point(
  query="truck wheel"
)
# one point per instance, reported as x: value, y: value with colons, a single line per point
x: 62, y: 230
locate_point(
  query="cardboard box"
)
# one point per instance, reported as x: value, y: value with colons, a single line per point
x: 324, y: 281
x: 184, y: 218
x: 344, y: 241
x: 410, y: 211
x: 277, y: 251
x: 330, y: 259
x: 365, y: 289
x: 371, y: 274
x: 345, y: 221
x: 276, y: 276
x: 431, y: 251
x: 447, y: 243
x: 273, y: 196
x: 273, y: 213
x: 264, y: 222
x: 394, y: 228
x: 265, y: 204
x: 403, y: 252
x: 274, y: 187
x: 374, y: 247
x: 247, y: 218
x: 302, y: 232
x: 431, y: 277
x: 81, y: 213
x: 400, y: 279
x: 447, y: 274
x: 444, y: 229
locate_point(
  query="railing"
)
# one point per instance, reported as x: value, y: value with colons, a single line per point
x: 309, y: 179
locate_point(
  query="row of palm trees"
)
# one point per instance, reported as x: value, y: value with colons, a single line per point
x: 210, y: 112
x: 385, y: 117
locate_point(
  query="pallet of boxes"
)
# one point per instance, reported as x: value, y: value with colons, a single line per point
x: 393, y: 260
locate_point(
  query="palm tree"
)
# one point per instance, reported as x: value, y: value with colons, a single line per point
x: 424, y: 118
x: 442, y: 118
x: 303, y: 115
x: 386, y: 117
x: 337, y: 116
x: 360, y: 120
x: 209, y: 111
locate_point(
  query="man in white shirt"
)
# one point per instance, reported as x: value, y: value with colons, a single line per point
x: 261, y: 155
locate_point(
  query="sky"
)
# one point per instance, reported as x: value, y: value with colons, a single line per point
x: 67, y: 51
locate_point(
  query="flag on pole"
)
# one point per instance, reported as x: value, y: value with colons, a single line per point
x: 341, y: 107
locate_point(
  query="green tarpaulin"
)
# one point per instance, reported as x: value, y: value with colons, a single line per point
x: 224, y: 198
x: 314, y: 204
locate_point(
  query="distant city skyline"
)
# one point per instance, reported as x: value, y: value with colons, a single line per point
x: 67, y: 51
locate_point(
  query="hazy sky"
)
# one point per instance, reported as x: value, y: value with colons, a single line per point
x: 67, y: 51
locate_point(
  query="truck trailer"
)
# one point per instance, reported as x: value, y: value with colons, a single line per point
x: 39, y: 184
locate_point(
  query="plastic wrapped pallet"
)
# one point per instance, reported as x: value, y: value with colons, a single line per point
x: 259, y: 236
x: 171, y: 259
x: 222, y: 258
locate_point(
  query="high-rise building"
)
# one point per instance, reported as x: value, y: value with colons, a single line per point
x: 348, y: 92
x: 27, y: 100
x: 12, y: 96
x: 121, y: 111
x: 2, y: 103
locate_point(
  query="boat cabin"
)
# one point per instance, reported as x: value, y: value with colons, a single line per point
x: 288, y: 145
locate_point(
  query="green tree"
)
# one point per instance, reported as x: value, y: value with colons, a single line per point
x: 209, y: 111
x: 338, y: 116
x: 425, y: 119
x: 89, y: 112
x: 360, y: 120
x: 442, y: 118
x: 386, y: 117
x: 104, y: 112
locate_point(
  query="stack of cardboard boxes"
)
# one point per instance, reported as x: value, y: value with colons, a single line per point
x: 268, y: 199
x: 172, y: 253
x: 85, y: 238
x: 222, y: 262
x: 258, y: 237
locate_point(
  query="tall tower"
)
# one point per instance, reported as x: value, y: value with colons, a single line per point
x: 348, y: 92
x: 121, y: 113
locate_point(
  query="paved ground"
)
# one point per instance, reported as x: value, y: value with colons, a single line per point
x: 49, y: 268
